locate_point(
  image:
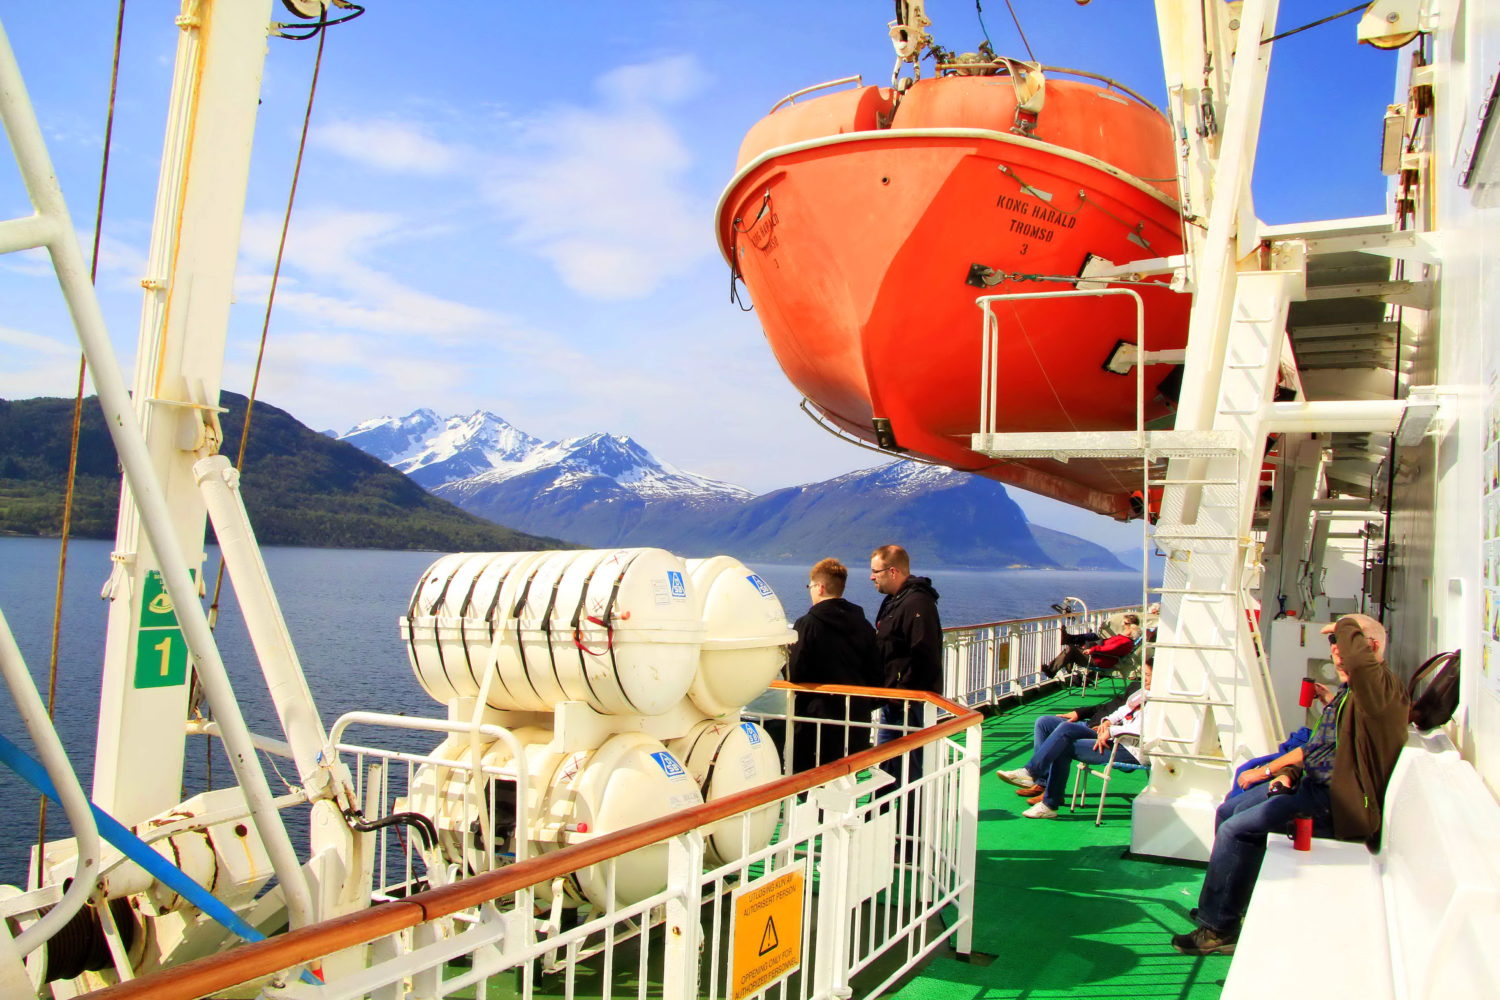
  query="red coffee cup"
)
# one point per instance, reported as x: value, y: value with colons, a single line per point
x: 1309, y: 691
x: 1302, y: 833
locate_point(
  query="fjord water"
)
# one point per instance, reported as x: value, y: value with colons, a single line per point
x: 341, y: 606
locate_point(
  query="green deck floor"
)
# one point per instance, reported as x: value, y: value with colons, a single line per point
x: 1060, y: 908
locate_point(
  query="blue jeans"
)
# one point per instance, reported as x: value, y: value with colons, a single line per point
x: 900, y: 713
x: 1241, y: 826
x: 1059, y: 743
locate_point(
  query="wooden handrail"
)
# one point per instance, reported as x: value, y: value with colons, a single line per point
x: 297, y: 947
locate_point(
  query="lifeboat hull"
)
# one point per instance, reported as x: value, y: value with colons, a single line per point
x: 857, y: 250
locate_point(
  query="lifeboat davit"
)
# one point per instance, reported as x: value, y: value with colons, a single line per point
x: 856, y: 218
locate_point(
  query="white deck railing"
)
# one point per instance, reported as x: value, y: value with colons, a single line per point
x: 985, y: 664
x: 881, y: 871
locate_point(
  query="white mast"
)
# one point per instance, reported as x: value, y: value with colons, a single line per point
x: 200, y: 204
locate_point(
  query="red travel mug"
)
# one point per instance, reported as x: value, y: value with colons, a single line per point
x: 1302, y: 833
x: 1309, y: 690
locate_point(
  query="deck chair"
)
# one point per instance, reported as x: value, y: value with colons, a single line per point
x: 1081, y: 780
x: 1121, y: 667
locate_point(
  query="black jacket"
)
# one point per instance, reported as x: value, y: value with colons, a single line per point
x: 1094, y: 714
x: 910, y: 637
x: 835, y: 645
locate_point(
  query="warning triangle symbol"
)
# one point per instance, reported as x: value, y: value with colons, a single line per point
x: 768, y: 939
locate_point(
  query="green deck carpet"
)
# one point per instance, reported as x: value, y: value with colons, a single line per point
x: 1060, y: 908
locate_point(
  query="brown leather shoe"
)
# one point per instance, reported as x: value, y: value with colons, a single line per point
x: 1029, y: 791
x: 1034, y: 799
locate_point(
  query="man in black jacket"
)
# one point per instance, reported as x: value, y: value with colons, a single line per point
x: 835, y: 645
x: 910, y: 638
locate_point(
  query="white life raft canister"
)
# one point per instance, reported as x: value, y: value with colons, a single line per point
x: 630, y: 779
x: 725, y: 757
x: 745, y: 635
x: 617, y: 629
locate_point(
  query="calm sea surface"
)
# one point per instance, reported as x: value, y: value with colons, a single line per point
x: 341, y: 607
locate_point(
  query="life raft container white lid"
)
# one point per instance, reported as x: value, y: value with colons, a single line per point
x: 745, y: 634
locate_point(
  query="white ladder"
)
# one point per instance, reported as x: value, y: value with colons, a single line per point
x: 1211, y: 701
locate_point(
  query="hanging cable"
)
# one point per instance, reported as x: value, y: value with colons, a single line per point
x: 1019, y: 30
x: 315, y: 28
x: 979, y: 13
x: 72, y: 481
x: 1331, y: 17
x: 265, y: 327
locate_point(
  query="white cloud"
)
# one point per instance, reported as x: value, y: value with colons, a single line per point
x: 394, y: 146
x: 328, y: 249
x: 36, y: 365
x: 601, y: 192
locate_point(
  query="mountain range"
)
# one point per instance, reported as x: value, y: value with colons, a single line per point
x: 608, y: 490
x: 300, y: 487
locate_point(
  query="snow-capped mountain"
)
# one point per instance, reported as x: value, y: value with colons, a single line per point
x: 434, y: 450
x: 588, y: 489
x: 608, y: 490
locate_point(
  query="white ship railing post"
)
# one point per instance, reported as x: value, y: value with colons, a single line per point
x: 684, y: 928
x: 968, y: 835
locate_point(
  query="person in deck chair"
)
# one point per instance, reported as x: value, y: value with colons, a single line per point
x: 1049, y: 765
x: 1338, y: 779
x: 1077, y: 724
x: 910, y: 638
x: 1104, y: 654
x: 835, y: 645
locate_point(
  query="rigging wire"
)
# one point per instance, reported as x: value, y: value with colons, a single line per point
x: 286, y: 221
x: 72, y: 481
x: 1019, y: 30
x: 315, y: 29
x: 1314, y: 24
x: 979, y: 13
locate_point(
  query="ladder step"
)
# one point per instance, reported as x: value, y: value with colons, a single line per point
x: 1170, y: 700
x: 1193, y: 645
x: 1193, y: 482
x: 1174, y: 755
x: 1188, y: 590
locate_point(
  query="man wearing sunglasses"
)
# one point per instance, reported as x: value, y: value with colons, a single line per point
x: 1337, y: 779
x: 910, y: 638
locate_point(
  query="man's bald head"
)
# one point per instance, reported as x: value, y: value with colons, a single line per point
x: 1373, y: 630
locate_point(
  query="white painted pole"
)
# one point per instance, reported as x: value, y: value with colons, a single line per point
x: 135, y: 458
x: 55, y: 759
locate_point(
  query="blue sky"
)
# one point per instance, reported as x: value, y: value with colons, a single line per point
x: 509, y: 206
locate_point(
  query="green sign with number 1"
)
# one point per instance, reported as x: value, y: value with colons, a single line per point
x: 160, y: 652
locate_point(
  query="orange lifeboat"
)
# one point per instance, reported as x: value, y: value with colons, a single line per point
x: 856, y: 220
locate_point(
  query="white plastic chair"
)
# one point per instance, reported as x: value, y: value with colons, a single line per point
x: 1081, y: 781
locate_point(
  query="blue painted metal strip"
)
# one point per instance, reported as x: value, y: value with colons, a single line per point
x: 137, y: 850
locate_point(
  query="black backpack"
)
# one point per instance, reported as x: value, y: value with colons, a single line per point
x: 1438, y: 699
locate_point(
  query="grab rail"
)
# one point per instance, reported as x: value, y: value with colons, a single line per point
x: 792, y: 97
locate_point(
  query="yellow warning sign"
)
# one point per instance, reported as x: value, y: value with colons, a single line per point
x: 767, y: 931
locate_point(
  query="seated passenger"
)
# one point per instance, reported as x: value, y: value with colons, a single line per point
x: 1070, y: 741
x: 1104, y: 654
x: 1338, y: 780
x: 1083, y: 720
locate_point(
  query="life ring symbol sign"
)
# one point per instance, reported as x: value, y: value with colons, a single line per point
x: 161, y: 654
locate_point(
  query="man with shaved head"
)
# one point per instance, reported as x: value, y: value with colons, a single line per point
x: 1337, y: 779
